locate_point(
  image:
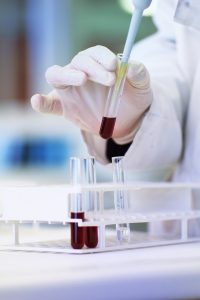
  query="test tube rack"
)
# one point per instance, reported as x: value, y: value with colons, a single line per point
x: 157, y: 204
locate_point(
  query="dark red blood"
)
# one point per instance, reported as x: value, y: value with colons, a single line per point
x: 77, y: 233
x: 91, y: 237
x: 107, y: 127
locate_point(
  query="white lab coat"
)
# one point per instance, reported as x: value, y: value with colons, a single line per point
x: 168, y: 142
x: 170, y: 132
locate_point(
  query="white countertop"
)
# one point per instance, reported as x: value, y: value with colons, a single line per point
x: 169, y: 272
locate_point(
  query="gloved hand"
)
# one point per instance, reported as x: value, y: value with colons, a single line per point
x: 81, y: 88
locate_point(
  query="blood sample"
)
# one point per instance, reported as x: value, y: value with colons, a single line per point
x: 76, y: 204
x: 115, y: 93
x: 82, y: 171
x: 113, y: 101
x: 107, y: 127
x: 91, y: 236
x: 77, y: 233
x: 89, y: 172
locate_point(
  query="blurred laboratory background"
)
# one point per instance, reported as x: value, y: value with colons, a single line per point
x: 33, y: 36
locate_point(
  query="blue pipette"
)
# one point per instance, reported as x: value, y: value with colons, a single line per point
x: 140, y: 6
x: 113, y: 101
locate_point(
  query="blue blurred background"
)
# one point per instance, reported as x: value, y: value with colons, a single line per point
x: 33, y: 36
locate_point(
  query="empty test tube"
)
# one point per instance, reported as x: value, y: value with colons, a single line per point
x: 120, y: 199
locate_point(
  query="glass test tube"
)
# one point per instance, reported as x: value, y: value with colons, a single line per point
x: 91, y: 232
x: 82, y: 171
x: 113, y: 100
x: 76, y: 203
x: 120, y: 199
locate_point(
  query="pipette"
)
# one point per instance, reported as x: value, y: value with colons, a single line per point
x: 89, y: 174
x: 113, y: 101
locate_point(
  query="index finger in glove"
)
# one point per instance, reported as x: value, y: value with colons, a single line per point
x: 61, y: 77
x: 99, y: 63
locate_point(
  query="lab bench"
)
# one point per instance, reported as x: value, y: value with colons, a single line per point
x: 159, y: 272
x: 167, y: 272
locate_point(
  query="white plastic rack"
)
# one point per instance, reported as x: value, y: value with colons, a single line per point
x: 171, y: 212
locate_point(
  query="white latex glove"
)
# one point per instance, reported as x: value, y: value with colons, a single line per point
x: 81, y: 88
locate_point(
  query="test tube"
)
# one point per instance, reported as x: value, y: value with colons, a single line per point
x: 120, y: 199
x: 89, y: 172
x: 76, y: 203
x: 113, y: 100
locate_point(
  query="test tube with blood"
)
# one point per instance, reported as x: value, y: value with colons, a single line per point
x: 76, y: 205
x: 90, y: 198
x: 115, y: 93
x: 82, y: 172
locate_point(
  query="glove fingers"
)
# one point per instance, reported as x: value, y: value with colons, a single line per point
x: 60, y: 77
x: 104, y: 57
x: 95, y: 71
x: 138, y: 76
x: 47, y: 103
x: 96, y: 64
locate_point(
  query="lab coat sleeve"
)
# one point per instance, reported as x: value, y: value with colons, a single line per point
x: 157, y: 145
